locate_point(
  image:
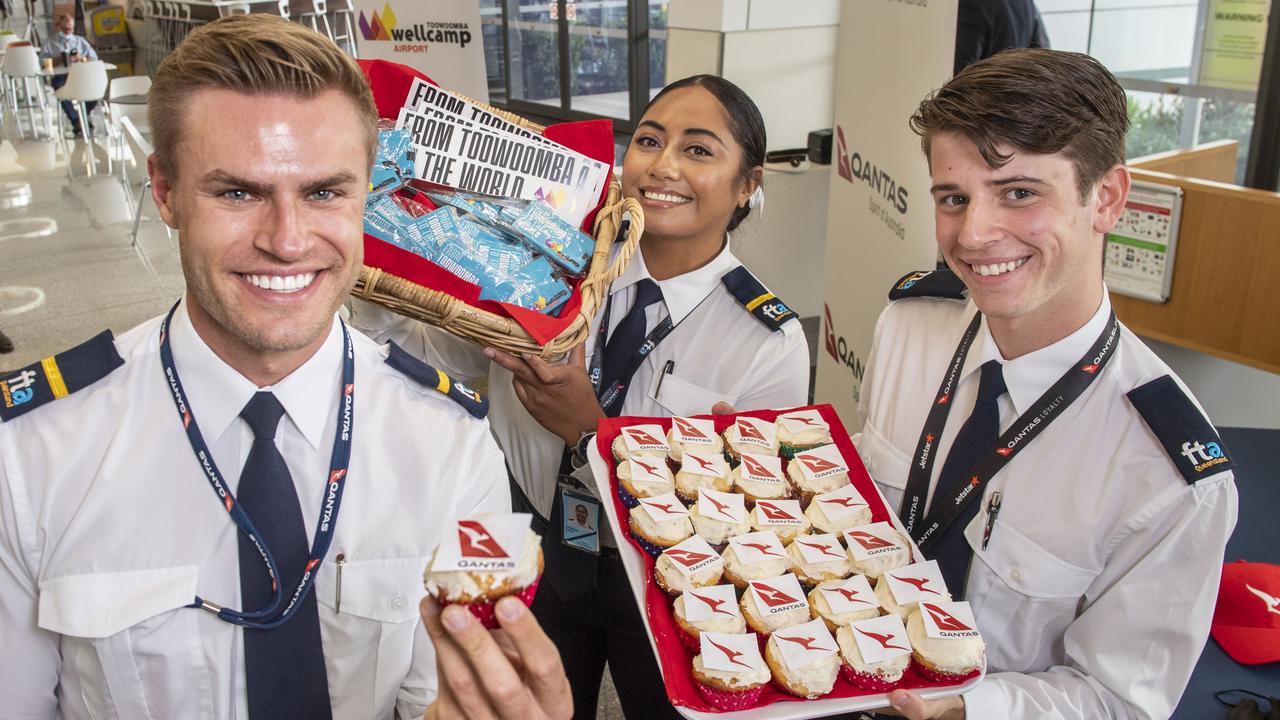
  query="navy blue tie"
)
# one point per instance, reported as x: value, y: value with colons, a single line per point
x: 284, y: 667
x: 976, y: 436
x: 626, y: 340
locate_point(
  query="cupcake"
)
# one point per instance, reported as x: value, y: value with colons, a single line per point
x: 640, y: 441
x: 687, y: 565
x: 901, y: 589
x: 773, y: 603
x: 751, y: 435
x: 485, y: 559
x: 840, y: 602
x: 728, y: 670
x: 754, y: 556
x: 839, y: 510
x: 801, y: 430
x: 877, y: 547
x: 818, y: 558
x: 702, y: 470
x: 804, y: 659
x: 760, y: 477
x: 817, y: 471
x: 944, y: 641
x: 658, y: 523
x: 642, y: 477
x: 719, y: 516
x: 783, y: 517
x: 693, y: 435
x: 874, y: 653
x: 712, y: 609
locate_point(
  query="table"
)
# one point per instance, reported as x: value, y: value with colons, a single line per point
x: 66, y: 69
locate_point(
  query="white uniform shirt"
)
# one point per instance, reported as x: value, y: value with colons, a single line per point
x: 108, y: 528
x: 1095, y: 593
x: 719, y: 350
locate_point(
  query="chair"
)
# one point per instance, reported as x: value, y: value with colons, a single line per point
x: 86, y: 82
x: 312, y: 14
x: 21, y: 63
x: 129, y: 90
x: 140, y: 150
x: 344, y: 31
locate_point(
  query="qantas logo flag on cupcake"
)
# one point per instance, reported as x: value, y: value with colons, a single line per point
x: 851, y: 595
x: 475, y: 541
x: 803, y: 645
x: 484, y: 542
x: 687, y: 431
x: 730, y: 652
x: 778, y: 595
x: 644, y: 437
x: 692, y: 555
x: 948, y: 620
x: 916, y: 582
x: 779, y: 512
x: 880, y: 639
x: 712, y: 601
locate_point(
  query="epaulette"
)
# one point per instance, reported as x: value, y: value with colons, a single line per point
x: 472, y: 401
x: 940, y: 283
x: 1192, y: 443
x: 40, y: 383
x: 764, y: 305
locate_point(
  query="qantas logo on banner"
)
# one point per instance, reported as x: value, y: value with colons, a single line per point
x: 838, y: 349
x: 476, y: 542
x: 688, y: 431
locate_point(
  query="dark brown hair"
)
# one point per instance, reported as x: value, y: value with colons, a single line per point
x: 1039, y: 101
x: 257, y: 55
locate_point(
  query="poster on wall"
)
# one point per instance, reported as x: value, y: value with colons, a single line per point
x: 1235, y: 35
x: 441, y: 38
x: 880, y: 214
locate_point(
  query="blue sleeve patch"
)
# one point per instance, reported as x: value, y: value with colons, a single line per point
x: 1192, y: 443
x: 424, y: 374
x: 941, y: 283
x: 756, y: 298
x: 57, y: 376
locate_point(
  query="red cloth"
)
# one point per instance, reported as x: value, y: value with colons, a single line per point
x: 594, y: 138
x: 676, y: 659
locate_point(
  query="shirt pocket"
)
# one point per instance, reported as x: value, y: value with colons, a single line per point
x: 1025, y: 596
x: 373, y: 622
x: 683, y: 398
x: 129, y: 643
x: 886, y: 465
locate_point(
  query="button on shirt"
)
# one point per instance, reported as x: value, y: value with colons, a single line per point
x: 108, y: 528
x: 1095, y: 593
x: 719, y: 350
x: 57, y: 45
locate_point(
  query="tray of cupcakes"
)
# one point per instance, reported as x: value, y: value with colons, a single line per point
x: 774, y: 581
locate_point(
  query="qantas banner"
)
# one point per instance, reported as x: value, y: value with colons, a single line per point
x: 880, y: 215
x: 441, y: 38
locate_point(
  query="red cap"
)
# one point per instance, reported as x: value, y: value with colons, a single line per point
x: 1246, y: 622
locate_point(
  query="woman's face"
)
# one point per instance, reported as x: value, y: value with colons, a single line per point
x: 684, y: 167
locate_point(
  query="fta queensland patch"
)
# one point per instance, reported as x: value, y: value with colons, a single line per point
x: 472, y: 401
x: 40, y: 383
x: 756, y: 298
x: 941, y: 283
x: 1192, y: 443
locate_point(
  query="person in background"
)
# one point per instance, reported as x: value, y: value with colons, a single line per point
x: 985, y: 27
x: 695, y: 164
x: 64, y: 47
x: 1083, y: 506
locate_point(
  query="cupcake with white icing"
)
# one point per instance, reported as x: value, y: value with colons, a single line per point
x: 640, y: 441
x: 754, y: 556
x: 729, y: 672
x: 693, y: 435
x: 687, y: 565
x: 945, y: 643
x: 901, y: 589
x: 760, y: 477
x: 702, y: 470
x: 774, y: 603
x: 877, y: 547
x: 750, y: 435
x: 801, y: 430
x: 804, y: 659
x: 719, y: 516
x: 839, y: 510
x: 783, y: 517
x: 484, y: 559
x: 710, y: 609
x: 818, y: 558
x: 817, y: 471
x: 840, y: 602
x: 874, y: 653
x: 660, y: 522
x: 642, y: 477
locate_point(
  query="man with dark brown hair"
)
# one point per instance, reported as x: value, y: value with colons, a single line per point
x: 1082, y: 507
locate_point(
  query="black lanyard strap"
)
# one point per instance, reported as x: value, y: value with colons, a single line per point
x: 1047, y: 408
x: 270, y: 616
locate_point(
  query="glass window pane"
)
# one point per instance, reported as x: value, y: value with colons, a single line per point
x: 599, y: 75
x: 535, y: 52
x: 657, y: 46
x: 495, y: 65
x: 1225, y: 120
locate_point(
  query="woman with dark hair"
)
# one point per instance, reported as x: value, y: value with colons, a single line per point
x: 686, y: 328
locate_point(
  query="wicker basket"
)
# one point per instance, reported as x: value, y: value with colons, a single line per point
x: 618, y: 219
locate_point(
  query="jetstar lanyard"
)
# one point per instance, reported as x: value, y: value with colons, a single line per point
x: 616, y: 392
x: 262, y: 619
x: 1026, y: 428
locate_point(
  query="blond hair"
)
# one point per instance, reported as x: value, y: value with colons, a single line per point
x: 255, y: 55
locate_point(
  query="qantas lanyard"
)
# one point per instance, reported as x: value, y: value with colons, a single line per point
x: 1046, y: 409
x: 267, y: 617
x: 615, y: 393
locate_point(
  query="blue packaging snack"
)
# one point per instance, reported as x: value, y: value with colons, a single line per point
x: 394, y: 162
x: 553, y: 236
x: 537, y: 286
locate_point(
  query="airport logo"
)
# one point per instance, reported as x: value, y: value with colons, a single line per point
x: 385, y: 27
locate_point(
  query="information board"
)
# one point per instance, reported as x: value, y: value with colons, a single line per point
x: 1140, y: 250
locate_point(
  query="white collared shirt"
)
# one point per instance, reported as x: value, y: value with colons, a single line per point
x: 1095, y: 593
x: 108, y: 528
x: 718, y: 351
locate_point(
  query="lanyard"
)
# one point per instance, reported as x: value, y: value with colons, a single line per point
x: 1030, y: 424
x: 262, y: 619
x: 615, y: 393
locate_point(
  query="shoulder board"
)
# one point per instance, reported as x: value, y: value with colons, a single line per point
x: 764, y: 305
x: 1192, y: 443
x: 940, y: 283
x: 424, y: 374
x: 40, y: 383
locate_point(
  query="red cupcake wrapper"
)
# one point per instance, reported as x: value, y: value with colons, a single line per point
x: 691, y: 642
x: 730, y: 700
x: 485, y: 611
x: 627, y: 498
x: 940, y: 676
x: 867, y: 681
